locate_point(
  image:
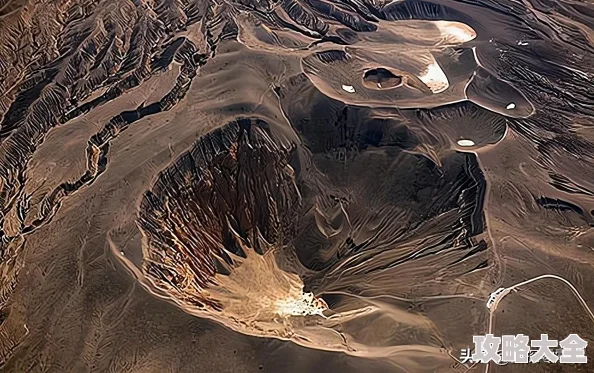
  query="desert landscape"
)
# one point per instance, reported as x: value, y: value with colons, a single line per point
x: 293, y: 185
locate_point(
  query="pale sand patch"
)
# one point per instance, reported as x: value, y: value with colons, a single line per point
x: 257, y: 291
x: 435, y: 78
x: 455, y: 32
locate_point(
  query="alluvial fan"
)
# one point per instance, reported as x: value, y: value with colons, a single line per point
x: 293, y: 185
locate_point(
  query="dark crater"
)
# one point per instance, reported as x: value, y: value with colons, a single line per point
x: 233, y: 189
x: 381, y: 78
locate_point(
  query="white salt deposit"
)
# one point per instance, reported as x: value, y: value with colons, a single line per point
x: 465, y: 142
x: 348, y: 88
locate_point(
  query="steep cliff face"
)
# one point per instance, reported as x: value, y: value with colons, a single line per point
x: 232, y: 196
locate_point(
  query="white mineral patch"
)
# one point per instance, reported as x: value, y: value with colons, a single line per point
x: 510, y: 106
x: 348, y: 88
x: 465, y: 142
x: 435, y: 78
x: 455, y: 32
x: 304, y: 304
